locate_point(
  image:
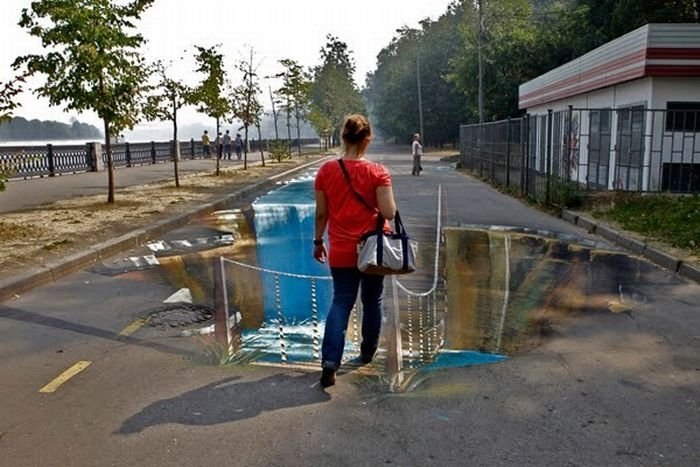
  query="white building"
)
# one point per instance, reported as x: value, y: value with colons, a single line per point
x: 635, y: 118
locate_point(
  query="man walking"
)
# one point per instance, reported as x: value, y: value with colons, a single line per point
x: 205, y: 144
x: 417, y: 152
x: 227, y: 145
x: 238, y: 145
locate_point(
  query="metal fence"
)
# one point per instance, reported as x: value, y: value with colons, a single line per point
x: 51, y: 160
x: 555, y: 157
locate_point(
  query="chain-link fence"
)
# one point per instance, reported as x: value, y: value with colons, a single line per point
x: 555, y: 157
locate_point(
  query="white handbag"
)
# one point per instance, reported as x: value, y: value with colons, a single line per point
x: 387, y: 253
x: 380, y: 252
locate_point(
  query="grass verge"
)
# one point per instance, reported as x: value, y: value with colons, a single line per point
x: 671, y: 219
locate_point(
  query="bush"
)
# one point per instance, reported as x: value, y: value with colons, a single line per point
x: 280, y: 150
x: 566, y: 194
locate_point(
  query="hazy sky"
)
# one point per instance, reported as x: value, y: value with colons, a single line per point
x: 274, y: 28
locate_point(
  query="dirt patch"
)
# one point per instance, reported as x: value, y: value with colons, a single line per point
x: 36, y: 236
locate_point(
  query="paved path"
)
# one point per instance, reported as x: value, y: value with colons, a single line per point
x: 602, y: 389
x: 24, y: 194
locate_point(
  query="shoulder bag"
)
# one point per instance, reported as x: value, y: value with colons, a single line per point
x: 379, y: 252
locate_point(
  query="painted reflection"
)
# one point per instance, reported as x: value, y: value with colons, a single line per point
x: 506, y: 290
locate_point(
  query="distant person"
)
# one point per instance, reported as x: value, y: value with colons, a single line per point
x: 347, y: 219
x: 417, y: 152
x: 227, y: 145
x: 205, y: 144
x: 238, y: 145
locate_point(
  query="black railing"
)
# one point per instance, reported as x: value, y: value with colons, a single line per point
x: 50, y: 160
x: 556, y: 156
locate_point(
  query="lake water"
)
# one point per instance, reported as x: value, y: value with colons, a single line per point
x: 63, y: 142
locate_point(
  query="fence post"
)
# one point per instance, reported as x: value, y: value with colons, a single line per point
x: 153, y: 152
x: 394, y: 361
x: 479, y: 145
x: 491, y: 142
x: 93, y: 155
x: 524, y: 152
x: 508, y: 153
x: 569, y: 140
x: 222, y: 328
x: 192, y: 148
x: 49, y: 153
x: 127, y: 151
x: 548, y: 169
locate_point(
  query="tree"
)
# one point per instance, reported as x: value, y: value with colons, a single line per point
x: 608, y: 19
x: 8, y: 91
x: 248, y: 108
x: 333, y: 92
x: 211, y: 94
x: 171, y: 95
x: 296, y: 93
x: 91, y: 62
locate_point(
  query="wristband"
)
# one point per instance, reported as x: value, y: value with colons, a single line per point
x: 318, y: 242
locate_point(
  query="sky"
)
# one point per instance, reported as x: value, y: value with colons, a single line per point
x: 275, y: 29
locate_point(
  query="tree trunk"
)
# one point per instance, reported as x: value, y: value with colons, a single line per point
x: 218, y: 152
x: 110, y: 165
x: 298, y: 131
x: 289, y: 126
x: 245, y: 147
x: 176, y: 143
x: 274, y: 114
x: 262, y: 154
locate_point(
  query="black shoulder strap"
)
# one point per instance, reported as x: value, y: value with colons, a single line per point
x: 357, y: 195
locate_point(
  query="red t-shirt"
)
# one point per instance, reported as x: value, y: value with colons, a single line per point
x: 348, y: 218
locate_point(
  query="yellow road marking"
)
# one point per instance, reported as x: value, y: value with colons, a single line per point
x: 133, y: 327
x: 65, y: 376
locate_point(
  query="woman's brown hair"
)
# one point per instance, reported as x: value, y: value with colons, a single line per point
x: 356, y: 129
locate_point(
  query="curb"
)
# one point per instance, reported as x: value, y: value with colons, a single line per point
x: 55, y: 270
x: 653, y: 254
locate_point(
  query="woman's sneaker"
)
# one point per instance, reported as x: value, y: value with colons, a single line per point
x: 327, y: 377
x: 366, y: 357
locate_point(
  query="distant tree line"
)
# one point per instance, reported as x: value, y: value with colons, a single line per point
x: 521, y: 40
x: 21, y: 129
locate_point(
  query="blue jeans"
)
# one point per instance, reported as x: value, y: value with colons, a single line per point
x: 346, y: 282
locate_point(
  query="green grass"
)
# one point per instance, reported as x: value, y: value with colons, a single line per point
x: 671, y: 219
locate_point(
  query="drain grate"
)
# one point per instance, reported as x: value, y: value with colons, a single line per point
x: 178, y: 315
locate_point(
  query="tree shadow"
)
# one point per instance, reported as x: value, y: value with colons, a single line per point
x: 31, y: 317
x: 225, y: 401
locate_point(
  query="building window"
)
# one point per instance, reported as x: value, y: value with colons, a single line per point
x: 683, y: 116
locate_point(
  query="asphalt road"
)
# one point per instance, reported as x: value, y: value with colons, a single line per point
x: 603, y: 388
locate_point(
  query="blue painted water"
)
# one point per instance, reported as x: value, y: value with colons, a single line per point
x: 284, y: 226
x: 459, y: 358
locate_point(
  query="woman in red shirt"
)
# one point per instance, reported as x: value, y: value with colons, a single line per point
x: 347, y: 219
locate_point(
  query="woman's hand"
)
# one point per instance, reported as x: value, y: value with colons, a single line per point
x: 320, y: 253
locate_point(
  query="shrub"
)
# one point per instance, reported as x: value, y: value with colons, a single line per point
x: 280, y: 150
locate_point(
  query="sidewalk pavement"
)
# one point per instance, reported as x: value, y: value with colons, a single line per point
x: 26, y: 194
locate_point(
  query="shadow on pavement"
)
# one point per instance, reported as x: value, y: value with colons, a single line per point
x: 225, y: 401
x: 57, y: 323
